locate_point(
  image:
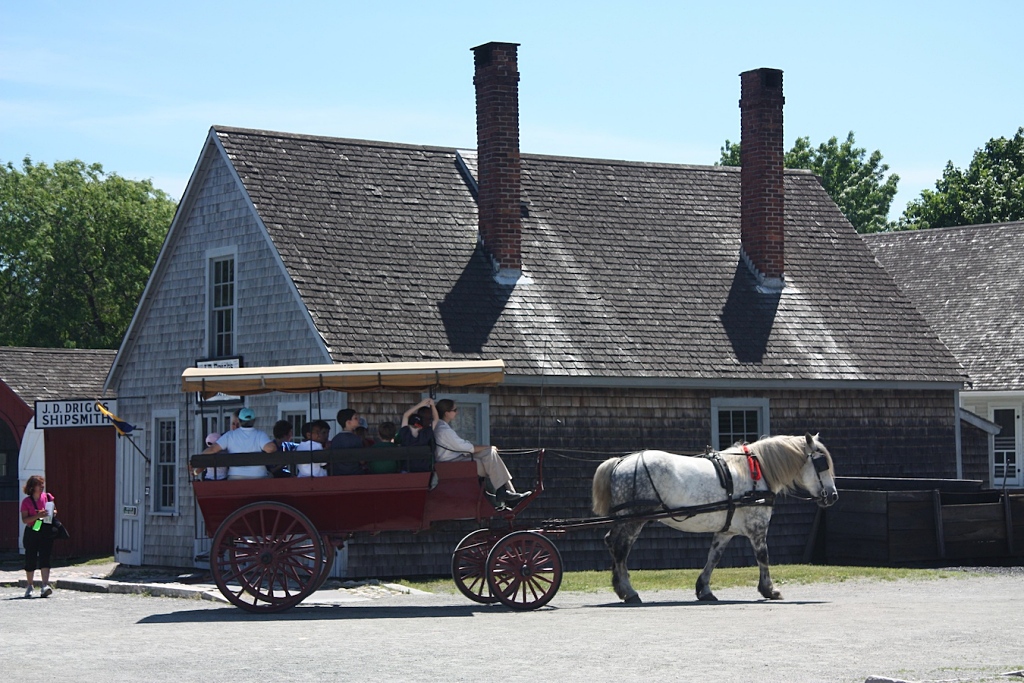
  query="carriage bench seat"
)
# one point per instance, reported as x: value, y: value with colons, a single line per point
x: 329, y: 455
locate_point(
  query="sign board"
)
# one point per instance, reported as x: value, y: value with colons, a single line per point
x: 219, y: 363
x: 73, y: 412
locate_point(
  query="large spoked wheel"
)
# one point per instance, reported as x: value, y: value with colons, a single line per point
x: 469, y: 566
x: 266, y: 557
x: 524, y: 570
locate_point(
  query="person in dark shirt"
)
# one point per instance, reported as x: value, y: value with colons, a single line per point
x: 417, y: 430
x: 387, y: 432
x: 348, y: 421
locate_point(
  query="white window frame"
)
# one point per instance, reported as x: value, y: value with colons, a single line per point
x: 1015, y: 480
x: 157, y: 466
x: 484, y: 403
x: 761, y: 405
x: 294, y: 408
x: 213, y: 256
x: 222, y: 414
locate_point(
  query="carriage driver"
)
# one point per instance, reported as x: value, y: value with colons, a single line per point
x: 451, y: 446
x: 245, y: 439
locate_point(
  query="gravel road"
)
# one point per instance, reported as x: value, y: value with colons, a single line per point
x: 965, y: 628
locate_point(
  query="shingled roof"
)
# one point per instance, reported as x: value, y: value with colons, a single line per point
x: 633, y: 268
x: 967, y: 283
x: 38, y: 374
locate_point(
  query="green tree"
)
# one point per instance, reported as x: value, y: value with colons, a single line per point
x: 76, y: 249
x: 855, y: 180
x: 991, y: 190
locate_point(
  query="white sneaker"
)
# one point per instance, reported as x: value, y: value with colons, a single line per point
x: 46, y: 592
x: 28, y: 592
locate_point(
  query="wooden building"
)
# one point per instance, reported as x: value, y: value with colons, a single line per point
x: 636, y: 305
x: 966, y: 282
x: 79, y: 462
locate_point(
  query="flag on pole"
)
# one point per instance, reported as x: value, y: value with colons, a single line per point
x: 120, y: 425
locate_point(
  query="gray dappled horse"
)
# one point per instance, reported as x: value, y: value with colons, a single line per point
x: 639, y: 486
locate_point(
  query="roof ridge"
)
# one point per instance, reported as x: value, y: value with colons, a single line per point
x: 49, y: 349
x: 229, y: 130
x: 945, y: 228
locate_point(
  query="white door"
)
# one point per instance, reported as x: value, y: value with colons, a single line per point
x: 130, y: 515
x: 1006, y: 448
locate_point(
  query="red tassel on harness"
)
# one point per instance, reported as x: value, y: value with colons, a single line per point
x: 753, y: 463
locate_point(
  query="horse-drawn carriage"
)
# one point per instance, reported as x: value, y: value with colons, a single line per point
x: 274, y: 540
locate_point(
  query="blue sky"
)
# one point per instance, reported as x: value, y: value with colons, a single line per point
x: 135, y: 86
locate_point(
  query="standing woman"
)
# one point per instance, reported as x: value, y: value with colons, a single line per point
x: 38, y: 539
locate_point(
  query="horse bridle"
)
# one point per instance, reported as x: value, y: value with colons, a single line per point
x: 820, y: 462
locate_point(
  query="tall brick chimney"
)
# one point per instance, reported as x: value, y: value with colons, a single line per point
x: 497, y: 133
x: 762, y: 195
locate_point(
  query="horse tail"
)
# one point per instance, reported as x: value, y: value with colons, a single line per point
x: 602, y: 491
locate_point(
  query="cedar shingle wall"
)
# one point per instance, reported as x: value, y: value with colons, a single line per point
x: 271, y: 330
x: 869, y: 433
x: 974, y: 451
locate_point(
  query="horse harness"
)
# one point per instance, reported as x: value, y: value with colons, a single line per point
x: 751, y: 497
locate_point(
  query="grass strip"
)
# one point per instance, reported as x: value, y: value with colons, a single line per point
x: 725, y: 577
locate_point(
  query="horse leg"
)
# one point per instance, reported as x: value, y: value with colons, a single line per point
x: 619, y: 541
x: 765, y: 587
x: 718, y: 543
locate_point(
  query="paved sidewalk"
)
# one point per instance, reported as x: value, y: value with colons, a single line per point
x: 170, y: 582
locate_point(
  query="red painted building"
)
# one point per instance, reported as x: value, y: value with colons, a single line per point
x: 79, y: 462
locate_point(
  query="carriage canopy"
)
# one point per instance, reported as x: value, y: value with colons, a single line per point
x: 411, y: 376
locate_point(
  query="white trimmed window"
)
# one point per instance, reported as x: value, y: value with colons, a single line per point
x: 738, y: 419
x: 222, y: 306
x: 165, y: 463
x: 1006, y: 447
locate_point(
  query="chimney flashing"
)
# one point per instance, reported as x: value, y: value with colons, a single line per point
x: 765, y: 284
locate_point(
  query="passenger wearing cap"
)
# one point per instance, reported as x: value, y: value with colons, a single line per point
x: 245, y: 439
x: 363, y: 432
x: 348, y: 421
x: 216, y: 473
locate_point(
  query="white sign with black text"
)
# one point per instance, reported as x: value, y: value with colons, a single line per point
x: 73, y: 413
x: 220, y: 363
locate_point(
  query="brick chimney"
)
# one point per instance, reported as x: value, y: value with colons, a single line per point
x: 497, y: 133
x: 762, y: 195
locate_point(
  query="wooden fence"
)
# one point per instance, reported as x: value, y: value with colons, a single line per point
x: 895, y: 522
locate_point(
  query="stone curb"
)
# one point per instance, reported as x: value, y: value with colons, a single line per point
x: 163, y: 590
x: 154, y: 589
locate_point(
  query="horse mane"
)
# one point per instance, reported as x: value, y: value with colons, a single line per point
x: 782, y: 458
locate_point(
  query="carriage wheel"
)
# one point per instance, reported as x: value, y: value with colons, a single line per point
x: 330, y: 551
x: 524, y: 569
x: 469, y: 566
x: 266, y: 557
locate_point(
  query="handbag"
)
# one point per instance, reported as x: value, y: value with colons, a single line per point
x: 58, y: 531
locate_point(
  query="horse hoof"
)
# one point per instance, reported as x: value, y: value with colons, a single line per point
x: 633, y: 600
x: 707, y: 597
